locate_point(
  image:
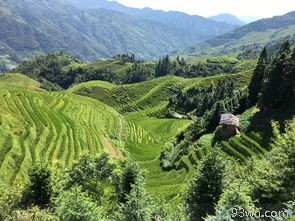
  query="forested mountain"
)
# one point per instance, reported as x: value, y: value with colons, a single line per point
x: 227, y: 18
x: 252, y: 36
x: 34, y: 27
x: 199, y: 26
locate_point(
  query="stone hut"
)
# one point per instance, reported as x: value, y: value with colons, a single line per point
x: 230, y: 125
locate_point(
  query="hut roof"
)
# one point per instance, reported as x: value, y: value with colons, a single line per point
x: 229, y: 119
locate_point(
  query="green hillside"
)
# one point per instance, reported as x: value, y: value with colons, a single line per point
x: 149, y: 94
x: 52, y: 126
x: 60, y: 71
x: 30, y: 28
x: 15, y: 80
x: 60, y: 126
x: 252, y: 36
x: 142, y: 104
x: 134, y: 122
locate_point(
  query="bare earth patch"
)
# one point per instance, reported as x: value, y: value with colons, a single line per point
x: 115, y: 153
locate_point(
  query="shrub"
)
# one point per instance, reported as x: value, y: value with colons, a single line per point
x: 39, y: 190
x: 75, y: 205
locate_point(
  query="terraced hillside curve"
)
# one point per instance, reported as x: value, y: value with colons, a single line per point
x: 54, y: 127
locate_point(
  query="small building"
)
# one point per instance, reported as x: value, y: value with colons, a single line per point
x: 230, y: 125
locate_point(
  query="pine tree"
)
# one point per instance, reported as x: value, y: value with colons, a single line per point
x: 128, y: 177
x: 137, y: 206
x: 163, y: 67
x: 206, y: 187
x: 258, y: 78
x: 286, y: 91
x: 271, y: 94
x: 159, y: 69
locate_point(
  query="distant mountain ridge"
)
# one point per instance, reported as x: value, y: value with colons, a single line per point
x: 254, y: 35
x: 227, y: 18
x: 30, y: 27
x: 202, y: 27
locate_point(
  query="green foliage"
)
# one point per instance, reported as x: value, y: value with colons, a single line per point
x: 9, y: 200
x: 206, y: 187
x: 257, y: 82
x: 64, y: 127
x: 125, y: 58
x: 279, y: 89
x: 80, y: 75
x: 57, y: 71
x: 236, y: 196
x: 137, y: 206
x: 139, y: 72
x: 222, y: 214
x: 163, y: 67
x: 289, y: 212
x: 128, y: 176
x: 47, y: 68
x: 206, y: 105
x: 89, y: 172
x: 275, y: 176
x: 31, y: 214
x: 212, y: 66
x: 199, y: 100
x: 76, y: 205
x: 169, y: 155
x: 39, y: 190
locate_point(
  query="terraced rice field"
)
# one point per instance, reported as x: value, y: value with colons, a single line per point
x: 122, y: 120
x: 145, y: 149
x: 245, y: 146
x: 143, y: 104
x: 148, y: 94
x: 53, y: 127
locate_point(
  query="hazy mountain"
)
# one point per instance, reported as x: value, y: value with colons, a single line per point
x: 227, y: 18
x: 33, y: 27
x: 248, y: 19
x: 254, y: 35
x: 202, y: 27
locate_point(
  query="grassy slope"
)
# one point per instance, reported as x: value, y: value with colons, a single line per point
x: 140, y: 103
x: 148, y: 94
x: 60, y: 126
x: 112, y: 63
x: 256, y: 34
x: 147, y: 134
x: 19, y: 81
x: 56, y: 126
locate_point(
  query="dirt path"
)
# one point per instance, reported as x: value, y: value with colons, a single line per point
x: 115, y: 153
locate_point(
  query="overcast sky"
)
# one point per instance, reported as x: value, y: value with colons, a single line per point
x: 260, y: 8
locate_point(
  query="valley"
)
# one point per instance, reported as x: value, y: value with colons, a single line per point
x: 115, y: 113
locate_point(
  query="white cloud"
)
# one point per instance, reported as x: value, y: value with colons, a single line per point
x: 261, y: 8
